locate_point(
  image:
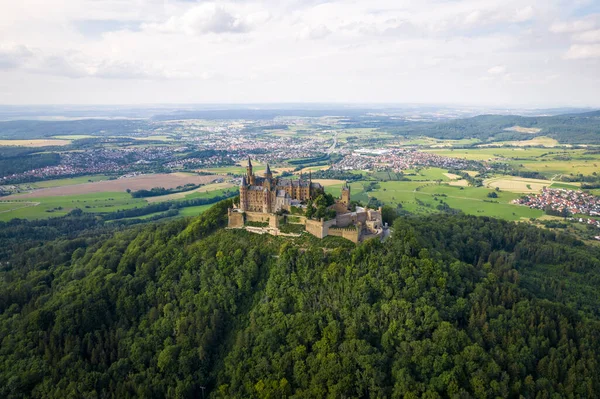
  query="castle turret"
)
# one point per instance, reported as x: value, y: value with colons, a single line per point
x: 346, y: 194
x: 244, y: 195
x: 249, y: 173
x: 268, y: 174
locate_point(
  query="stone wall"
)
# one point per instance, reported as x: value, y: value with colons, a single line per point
x: 236, y: 219
x: 350, y: 233
x: 315, y: 228
x: 319, y: 228
x: 258, y: 217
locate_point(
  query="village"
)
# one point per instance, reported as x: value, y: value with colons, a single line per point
x: 563, y: 202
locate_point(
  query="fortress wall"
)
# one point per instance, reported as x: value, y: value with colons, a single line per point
x: 316, y: 228
x: 351, y: 234
x: 344, y: 220
x: 258, y: 217
x: 236, y: 220
x: 361, y: 217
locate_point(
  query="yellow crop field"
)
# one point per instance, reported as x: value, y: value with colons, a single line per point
x: 517, y: 184
x: 34, y: 143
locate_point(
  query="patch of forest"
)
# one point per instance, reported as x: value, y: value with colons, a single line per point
x: 567, y: 129
x: 449, y: 306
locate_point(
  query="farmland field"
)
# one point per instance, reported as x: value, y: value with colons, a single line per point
x: 143, y: 182
x: 61, y: 205
x: 517, y: 184
x: 69, y: 181
x: 420, y: 198
x: 191, y: 194
x: 34, y: 143
x: 541, y: 141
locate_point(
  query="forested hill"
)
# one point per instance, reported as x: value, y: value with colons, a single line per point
x: 451, y: 306
x: 581, y: 128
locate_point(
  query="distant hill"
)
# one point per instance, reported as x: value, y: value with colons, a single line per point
x: 581, y: 128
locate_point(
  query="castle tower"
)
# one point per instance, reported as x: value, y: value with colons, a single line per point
x: 268, y: 174
x: 244, y: 195
x: 266, y: 201
x: 249, y: 173
x: 346, y: 194
x: 310, y: 190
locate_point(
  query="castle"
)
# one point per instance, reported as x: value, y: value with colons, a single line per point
x: 266, y: 202
x: 268, y: 195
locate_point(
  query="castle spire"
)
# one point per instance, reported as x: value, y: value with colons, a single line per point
x: 268, y: 171
x: 249, y: 162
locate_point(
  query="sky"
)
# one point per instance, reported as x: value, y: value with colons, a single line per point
x: 536, y: 53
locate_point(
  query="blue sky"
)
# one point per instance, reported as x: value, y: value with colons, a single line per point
x: 489, y: 52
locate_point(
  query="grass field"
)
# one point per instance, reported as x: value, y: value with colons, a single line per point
x: 34, y: 143
x: 541, y: 141
x: 191, y: 194
x: 74, y: 137
x: 568, y: 186
x: 420, y: 197
x: 59, y: 206
x: 586, y: 167
x: 436, y: 143
x: 430, y: 174
x: 484, y: 154
x: 517, y: 184
x: 68, y: 182
x: 194, y: 210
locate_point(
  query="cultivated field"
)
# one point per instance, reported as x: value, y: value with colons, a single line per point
x: 34, y: 143
x: 143, y: 182
x: 517, y: 184
x: 46, y: 207
x: 519, y: 129
x: 190, y: 194
x: 329, y: 182
x: 541, y: 141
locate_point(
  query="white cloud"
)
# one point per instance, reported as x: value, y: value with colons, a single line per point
x: 590, y: 36
x: 523, y: 14
x: 297, y: 50
x: 583, y: 51
x: 12, y: 56
x: 573, y: 26
x: 497, y: 70
x: 208, y: 18
x: 315, y: 33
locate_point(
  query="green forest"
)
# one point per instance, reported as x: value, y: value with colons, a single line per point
x: 583, y: 128
x: 449, y: 306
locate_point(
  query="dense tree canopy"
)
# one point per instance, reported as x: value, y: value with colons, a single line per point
x: 450, y: 306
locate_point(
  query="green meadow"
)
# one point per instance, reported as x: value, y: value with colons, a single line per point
x: 424, y: 197
x: 69, y: 181
x: 60, y: 206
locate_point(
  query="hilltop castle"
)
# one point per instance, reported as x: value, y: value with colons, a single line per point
x: 269, y: 195
x: 276, y: 206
